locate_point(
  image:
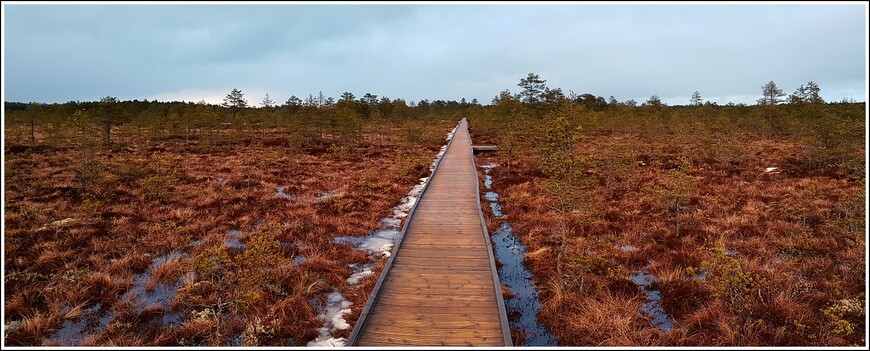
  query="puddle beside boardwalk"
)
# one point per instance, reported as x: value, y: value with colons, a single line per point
x: 513, y: 273
x: 496, y: 209
x: 652, y: 308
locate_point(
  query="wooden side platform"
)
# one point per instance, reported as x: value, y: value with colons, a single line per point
x: 440, y: 286
x: 483, y: 148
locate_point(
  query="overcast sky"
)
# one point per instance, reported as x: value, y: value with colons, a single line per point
x: 58, y: 53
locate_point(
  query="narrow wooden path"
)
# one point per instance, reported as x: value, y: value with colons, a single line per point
x: 440, y: 286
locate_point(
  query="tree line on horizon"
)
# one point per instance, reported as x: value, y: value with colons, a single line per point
x: 534, y: 91
x: 322, y: 118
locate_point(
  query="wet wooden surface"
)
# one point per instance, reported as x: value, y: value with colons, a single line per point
x: 440, y: 289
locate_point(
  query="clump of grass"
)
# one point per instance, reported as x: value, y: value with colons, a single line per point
x: 728, y: 280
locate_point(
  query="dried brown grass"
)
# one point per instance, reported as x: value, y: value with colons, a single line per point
x: 153, y: 197
x: 798, y: 235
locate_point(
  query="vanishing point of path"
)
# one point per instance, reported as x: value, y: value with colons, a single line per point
x: 440, y: 286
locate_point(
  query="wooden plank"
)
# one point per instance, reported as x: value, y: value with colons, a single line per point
x: 446, y: 244
x: 463, y: 262
x: 458, y: 242
x: 445, y: 276
x: 436, y: 329
x: 478, y: 294
x: 423, y: 229
x: 439, y: 285
x: 432, y: 304
x: 411, y: 309
x: 482, y: 340
x: 461, y: 252
x: 436, y: 287
x: 474, y: 300
x: 441, y: 322
x: 424, y: 246
x: 378, y: 342
x: 439, y: 269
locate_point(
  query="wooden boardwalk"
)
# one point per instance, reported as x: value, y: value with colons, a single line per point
x: 440, y: 286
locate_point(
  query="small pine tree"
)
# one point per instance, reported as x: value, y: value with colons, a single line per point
x: 235, y: 101
x: 696, y: 99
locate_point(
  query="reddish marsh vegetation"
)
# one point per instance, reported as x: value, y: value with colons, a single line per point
x: 664, y: 226
x: 174, y: 236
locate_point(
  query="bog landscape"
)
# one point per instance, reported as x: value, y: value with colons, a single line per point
x: 535, y: 216
x: 148, y: 223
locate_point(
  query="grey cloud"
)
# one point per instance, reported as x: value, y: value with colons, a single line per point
x: 67, y: 52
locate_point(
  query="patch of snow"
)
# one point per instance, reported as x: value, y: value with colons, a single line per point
x: 356, y: 277
x: 402, y: 209
x: 332, y: 316
x: 280, y: 192
x: 771, y: 170
x: 10, y: 326
x: 327, y: 195
x: 62, y: 222
x: 628, y: 248
x: 378, y: 243
x: 327, y: 341
x: 390, y: 222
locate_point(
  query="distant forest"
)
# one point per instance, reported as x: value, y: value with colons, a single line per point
x: 319, y: 116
